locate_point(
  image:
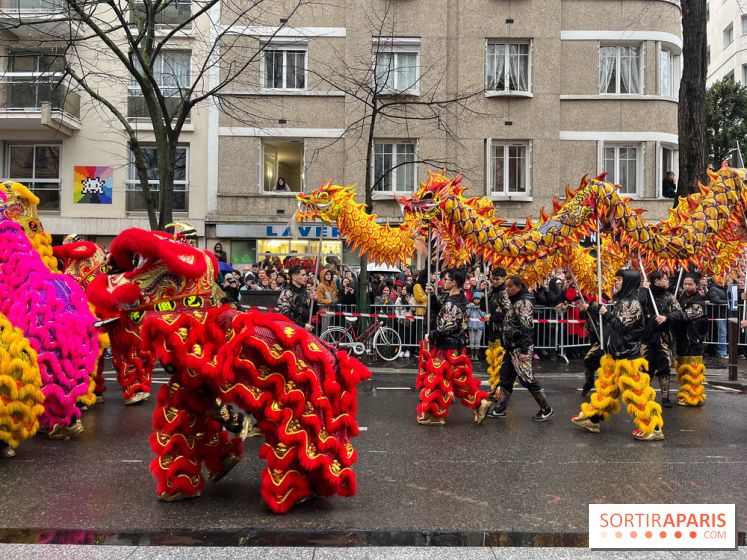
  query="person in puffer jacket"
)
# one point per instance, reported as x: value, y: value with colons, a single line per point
x: 517, y: 334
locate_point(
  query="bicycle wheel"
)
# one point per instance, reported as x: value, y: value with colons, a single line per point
x: 338, y: 337
x: 387, y: 344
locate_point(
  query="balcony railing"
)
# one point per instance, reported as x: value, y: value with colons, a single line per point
x: 137, y: 109
x: 175, y: 13
x: 32, y: 5
x: 21, y: 94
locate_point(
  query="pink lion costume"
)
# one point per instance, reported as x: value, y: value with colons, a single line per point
x: 51, y: 311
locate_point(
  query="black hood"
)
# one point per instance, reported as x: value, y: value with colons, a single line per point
x: 458, y: 299
x: 630, y: 285
x: 521, y: 294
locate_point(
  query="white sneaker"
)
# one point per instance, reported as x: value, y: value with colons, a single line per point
x: 401, y: 354
x: 407, y: 353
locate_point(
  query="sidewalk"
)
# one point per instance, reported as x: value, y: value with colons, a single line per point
x: 71, y: 552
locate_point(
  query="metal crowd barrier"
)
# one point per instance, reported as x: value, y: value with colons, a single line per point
x: 554, y: 331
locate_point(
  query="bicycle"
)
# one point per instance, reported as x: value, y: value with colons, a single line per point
x: 386, y: 341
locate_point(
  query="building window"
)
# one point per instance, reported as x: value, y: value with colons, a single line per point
x: 37, y: 166
x: 284, y: 68
x: 729, y: 35
x: 180, y: 198
x: 507, y: 67
x: 30, y: 79
x: 669, y: 161
x: 396, y: 67
x: 744, y: 74
x: 729, y: 76
x: 509, y: 168
x: 282, y: 159
x: 708, y: 56
x: 395, y: 169
x: 620, y: 69
x: 666, y: 73
x: 171, y: 72
x: 621, y: 162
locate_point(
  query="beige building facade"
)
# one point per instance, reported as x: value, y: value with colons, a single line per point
x: 564, y: 88
x: 72, y: 152
x: 548, y: 90
x: 727, y: 40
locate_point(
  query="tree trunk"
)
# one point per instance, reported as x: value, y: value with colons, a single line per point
x: 363, y: 278
x: 166, y: 162
x: 142, y: 174
x: 693, y: 154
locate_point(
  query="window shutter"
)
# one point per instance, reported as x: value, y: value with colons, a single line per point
x: 488, y: 170
x: 640, y: 186
x: 530, y: 68
x: 529, y: 168
x: 659, y: 170
x: 643, y: 67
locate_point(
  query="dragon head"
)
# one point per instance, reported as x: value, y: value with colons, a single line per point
x: 324, y: 203
x: 427, y: 200
x: 19, y: 204
x: 151, y: 268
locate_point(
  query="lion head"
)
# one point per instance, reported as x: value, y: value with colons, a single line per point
x: 148, y: 268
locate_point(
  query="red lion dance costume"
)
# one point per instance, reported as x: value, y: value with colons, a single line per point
x: 303, y: 395
x: 84, y: 261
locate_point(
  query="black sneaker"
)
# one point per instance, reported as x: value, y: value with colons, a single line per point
x: 497, y: 413
x: 666, y: 403
x: 543, y: 415
x: 586, y: 390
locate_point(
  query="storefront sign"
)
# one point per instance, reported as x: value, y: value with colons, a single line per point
x: 276, y: 231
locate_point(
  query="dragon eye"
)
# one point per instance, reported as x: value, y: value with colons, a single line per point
x: 137, y: 260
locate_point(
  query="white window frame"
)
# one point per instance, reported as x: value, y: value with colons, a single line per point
x: 285, y: 46
x: 612, y: 174
x: 30, y: 182
x: 730, y: 30
x: 675, y: 61
x: 380, y: 194
x: 641, y: 67
x: 134, y: 184
x: 261, y: 181
x: 396, y: 46
x: 660, y: 171
x: 530, y: 64
x: 525, y: 196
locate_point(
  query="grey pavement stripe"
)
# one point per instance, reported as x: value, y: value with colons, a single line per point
x: 88, y: 552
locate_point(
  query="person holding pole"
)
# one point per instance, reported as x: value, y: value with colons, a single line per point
x: 444, y: 368
x: 295, y: 301
x: 690, y: 335
x: 590, y: 312
x: 663, y: 314
x: 623, y: 370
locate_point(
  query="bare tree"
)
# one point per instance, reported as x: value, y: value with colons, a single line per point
x: 403, y: 94
x: 131, y: 43
x: 693, y: 149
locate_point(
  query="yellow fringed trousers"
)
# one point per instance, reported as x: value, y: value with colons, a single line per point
x: 629, y: 379
x: 691, y: 377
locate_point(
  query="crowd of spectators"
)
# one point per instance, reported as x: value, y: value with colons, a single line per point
x: 336, y: 287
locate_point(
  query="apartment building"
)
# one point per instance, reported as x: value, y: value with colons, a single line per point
x: 72, y: 152
x: 727, y: 40
x: 549, y: 90
x: 566, y: 87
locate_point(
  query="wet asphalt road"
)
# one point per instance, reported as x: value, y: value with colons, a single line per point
x: 510, y: 476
